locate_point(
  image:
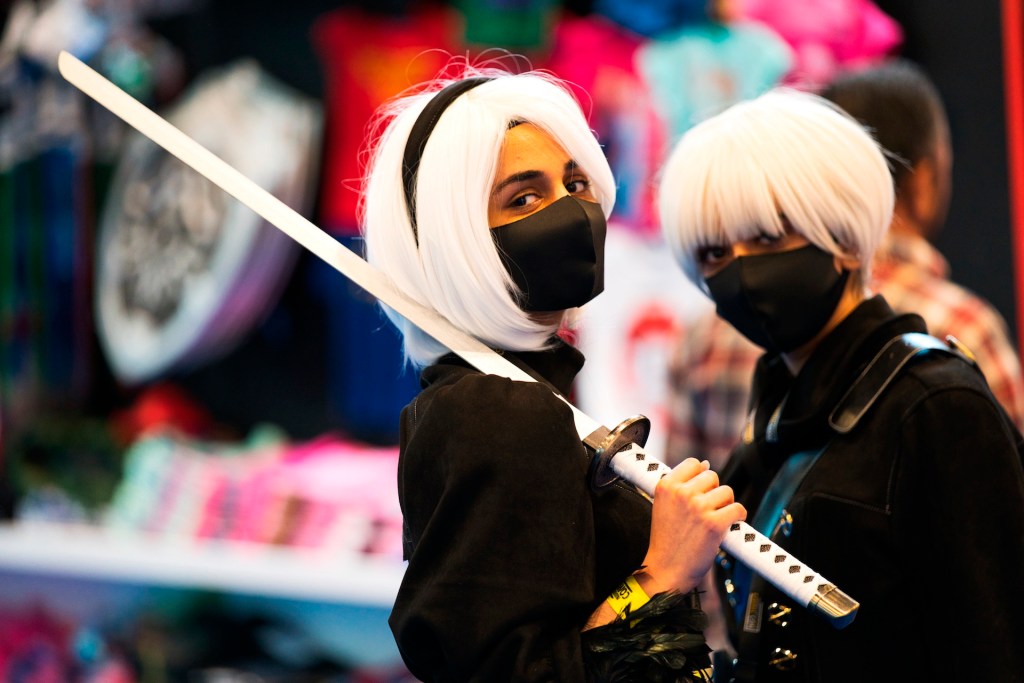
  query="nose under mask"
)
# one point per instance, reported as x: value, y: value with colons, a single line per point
x: 556, y: 255
x: 779, y: 301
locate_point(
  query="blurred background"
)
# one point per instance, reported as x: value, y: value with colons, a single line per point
x: 198, y: 419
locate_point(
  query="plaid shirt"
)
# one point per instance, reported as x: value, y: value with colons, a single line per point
x: 712, y: 367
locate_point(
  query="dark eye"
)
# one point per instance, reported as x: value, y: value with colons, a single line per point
x: 524, y: 200
x: 578, y: 186
x: 712, y: 255
x: 766, y: 240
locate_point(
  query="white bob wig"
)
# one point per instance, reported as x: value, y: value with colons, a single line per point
x: 784, y: 154
x: 455, y: 269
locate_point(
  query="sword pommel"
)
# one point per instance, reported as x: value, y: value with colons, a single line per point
x: 835, y: 605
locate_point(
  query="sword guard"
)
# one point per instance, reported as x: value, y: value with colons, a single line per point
x: 634, y: 429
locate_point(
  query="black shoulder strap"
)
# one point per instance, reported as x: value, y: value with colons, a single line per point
x: 883, y: 369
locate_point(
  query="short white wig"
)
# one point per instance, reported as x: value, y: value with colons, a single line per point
x: 455, y: 269
x: 785, y: 153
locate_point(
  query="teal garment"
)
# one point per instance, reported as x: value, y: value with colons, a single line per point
x: 509, y: 24
x: 700, y: 70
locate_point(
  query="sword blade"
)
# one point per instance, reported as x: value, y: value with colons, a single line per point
x: 282, y: 216
x: 739, y: 541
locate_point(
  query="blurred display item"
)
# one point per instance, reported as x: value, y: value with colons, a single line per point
x: 367, y: 59
x: 702, y: 69
x: 652, y: 17
x: 826, y: 36
x: 368, y: 383
x: 71, y: 25
x: 64, y: 468
x: 45, y: 320
x: 521, y: 26
x: 184, y: 271
x: 327, y: 495
x: 628, y: 333
x: 54, y: 152
x: 162, y: 406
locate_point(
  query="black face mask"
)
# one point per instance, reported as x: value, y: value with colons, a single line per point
x: 779, y: 301
x: 555, y: 256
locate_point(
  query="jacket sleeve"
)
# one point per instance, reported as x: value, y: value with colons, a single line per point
x: 501, y: 575
x: 965, y: 537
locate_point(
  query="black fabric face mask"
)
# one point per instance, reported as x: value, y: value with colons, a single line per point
x: 779, y: 301
x: 555, y: 256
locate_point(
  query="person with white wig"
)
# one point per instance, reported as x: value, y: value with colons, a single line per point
x: 873, y: 451
x: 486, y: 201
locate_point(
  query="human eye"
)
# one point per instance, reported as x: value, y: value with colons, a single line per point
x: 712, y: 255
x: 765, y: 240
x: 524, y: 200
x: 578, y: 185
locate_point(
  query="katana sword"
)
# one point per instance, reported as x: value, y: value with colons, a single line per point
x: 617, y: 453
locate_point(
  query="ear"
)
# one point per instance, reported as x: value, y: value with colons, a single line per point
x: 847, y: 263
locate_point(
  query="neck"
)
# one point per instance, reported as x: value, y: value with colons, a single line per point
x: 852, y: 297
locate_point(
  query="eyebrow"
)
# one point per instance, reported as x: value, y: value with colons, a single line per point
x: 523, y: 176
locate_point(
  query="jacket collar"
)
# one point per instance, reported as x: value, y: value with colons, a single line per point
x: 807, y: 399
x: 556, y: 366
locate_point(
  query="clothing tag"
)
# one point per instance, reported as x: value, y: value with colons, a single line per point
x: 752, y: 620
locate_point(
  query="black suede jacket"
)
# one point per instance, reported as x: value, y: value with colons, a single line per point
x: 509, y: 550
x: 918, y: 514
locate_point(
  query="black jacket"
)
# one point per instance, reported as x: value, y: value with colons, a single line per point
x: 918, y: 514
x: 509, y: 550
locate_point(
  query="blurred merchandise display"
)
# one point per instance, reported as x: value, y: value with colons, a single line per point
x: 173, y: 636
x: 327, y: 494
x: 368, y: 58
x: 519, y: 26
x: 55, y: 152
x: 162, y: 468
x: 704, y: 68
x: 183, y: 270
x: 826, y: 37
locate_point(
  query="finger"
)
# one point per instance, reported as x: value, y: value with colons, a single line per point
x: 687, y: 469
x: 734, y: 512
x: 718, y: 497
x: 703, y: 482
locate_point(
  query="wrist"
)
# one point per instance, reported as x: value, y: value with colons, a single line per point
x: 627, y: 598
x: 649, y: 582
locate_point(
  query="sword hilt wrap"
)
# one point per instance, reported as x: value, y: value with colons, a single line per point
x: 617, y: 454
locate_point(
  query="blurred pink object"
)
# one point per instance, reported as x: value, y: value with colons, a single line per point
x: 826, y: 35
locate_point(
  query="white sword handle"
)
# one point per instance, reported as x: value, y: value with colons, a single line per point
x: 749, y: 546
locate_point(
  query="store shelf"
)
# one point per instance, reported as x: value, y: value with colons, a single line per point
x: 232, y: 567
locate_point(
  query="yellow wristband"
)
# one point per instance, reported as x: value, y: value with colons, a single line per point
x: 628, y: 598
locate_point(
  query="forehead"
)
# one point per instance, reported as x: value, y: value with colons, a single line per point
x: 527, y: 147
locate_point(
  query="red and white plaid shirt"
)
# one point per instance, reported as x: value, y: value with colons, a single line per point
x: 712, y: 368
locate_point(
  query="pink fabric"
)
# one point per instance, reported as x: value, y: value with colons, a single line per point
x: 323, y: 494
x: 827, y: 35
x: 598, y: 60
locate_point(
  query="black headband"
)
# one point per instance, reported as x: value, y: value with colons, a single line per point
x: 419, y: 134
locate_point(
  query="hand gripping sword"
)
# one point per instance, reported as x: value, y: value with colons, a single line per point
x: 617, y: 453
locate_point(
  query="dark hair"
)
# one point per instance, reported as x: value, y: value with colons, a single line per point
x: 900, y: 106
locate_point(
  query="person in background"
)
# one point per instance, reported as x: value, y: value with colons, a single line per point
x: 873, y: 451
x: 712, y: 365
x: 486, y: 201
